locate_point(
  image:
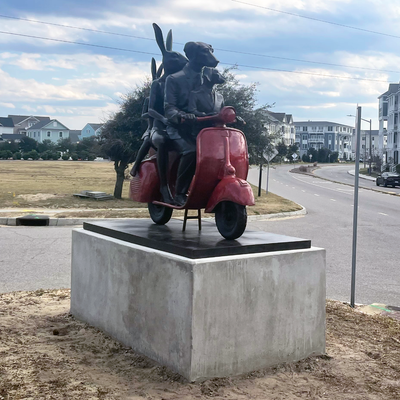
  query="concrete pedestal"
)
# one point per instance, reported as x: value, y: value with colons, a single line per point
x: 203, y: 318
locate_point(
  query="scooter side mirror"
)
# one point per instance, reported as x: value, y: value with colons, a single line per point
x: 228, y: 115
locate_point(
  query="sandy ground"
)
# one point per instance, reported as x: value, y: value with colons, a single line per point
x: 46, y: 354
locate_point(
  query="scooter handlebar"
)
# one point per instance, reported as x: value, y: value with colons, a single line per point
x: 227, y: 115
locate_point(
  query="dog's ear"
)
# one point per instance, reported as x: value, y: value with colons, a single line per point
x: 159, y: 38
x: 190, y: 49
x: 207, y: 73
x: 168, y: 43
x: 153, y: 69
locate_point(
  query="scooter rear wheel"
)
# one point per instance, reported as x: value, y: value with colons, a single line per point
x: 231, y: 219
x: 159, y: 214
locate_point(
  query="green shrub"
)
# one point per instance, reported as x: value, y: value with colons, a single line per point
x: 5, y: 154
x: 65, y: 157
x: 74, y: 156
x: 17, y: 155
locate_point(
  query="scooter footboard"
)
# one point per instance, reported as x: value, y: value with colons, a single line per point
x: 145, y: 186
x: 231, y: 189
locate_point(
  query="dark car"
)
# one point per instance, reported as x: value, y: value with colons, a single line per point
x: 388, y: 179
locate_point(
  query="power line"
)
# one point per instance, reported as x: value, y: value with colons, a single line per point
x: 307, y: 73
x: 224, y: 50
x: 317, y: 19
x: 75, y: 27
x: 79, y: 43
x: 308, y: 61
x: 154, y: 54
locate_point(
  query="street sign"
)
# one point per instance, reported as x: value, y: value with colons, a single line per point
x: 270, y: 155
x: 294, y: 156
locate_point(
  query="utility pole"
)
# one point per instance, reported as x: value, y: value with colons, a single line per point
x: 355, y: 211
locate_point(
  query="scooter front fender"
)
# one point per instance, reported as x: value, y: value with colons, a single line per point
x: 231, y: 189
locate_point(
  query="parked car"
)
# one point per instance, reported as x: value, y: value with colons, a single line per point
x: 388, y: 179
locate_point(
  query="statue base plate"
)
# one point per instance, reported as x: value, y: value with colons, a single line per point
x: 193, y: 243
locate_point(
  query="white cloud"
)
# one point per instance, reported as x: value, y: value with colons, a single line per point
x: 7, y: 105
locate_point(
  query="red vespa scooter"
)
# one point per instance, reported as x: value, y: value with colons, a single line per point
x: 219, y: 185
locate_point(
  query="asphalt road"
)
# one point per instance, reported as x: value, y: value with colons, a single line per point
x: 39, y: 257
x: 329, y: 224
x: 32, y: 258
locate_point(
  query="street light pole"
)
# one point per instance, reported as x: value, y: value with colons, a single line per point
x: 370, y: 146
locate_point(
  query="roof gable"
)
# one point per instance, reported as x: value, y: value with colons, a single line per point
x: 6, y: 122
x: 48, y: 125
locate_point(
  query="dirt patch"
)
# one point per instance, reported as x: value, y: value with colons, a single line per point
x: 39, y: 196
x: 46, y: 354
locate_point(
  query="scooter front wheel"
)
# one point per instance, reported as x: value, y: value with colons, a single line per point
x: 159, y: 214
x: 231, y: 219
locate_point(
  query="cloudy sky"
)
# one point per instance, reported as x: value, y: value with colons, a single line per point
x: 315, y: 59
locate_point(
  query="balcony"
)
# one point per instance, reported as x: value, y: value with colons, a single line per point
x: 316, y: 140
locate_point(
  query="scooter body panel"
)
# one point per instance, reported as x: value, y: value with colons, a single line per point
x: 231, y: 189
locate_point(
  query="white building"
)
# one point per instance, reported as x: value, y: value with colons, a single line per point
x: 281, y: 123
x: 48, y: 130
x: 325, y: 134
x: 389, y: 123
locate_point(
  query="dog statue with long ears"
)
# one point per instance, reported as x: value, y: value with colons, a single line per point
x: 178, y: 87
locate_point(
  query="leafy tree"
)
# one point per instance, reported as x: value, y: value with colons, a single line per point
x: 334, y: 157
x: 88, y: 148
x: 243, y: 98
x: 65, y: 145
x: 31, y: 154
x: 282, y: 149
x: 292, y: 149
x: 5, y: 154
x: 120, y: 137
x: 27, y: 144
x: 46, y: 145
x: 313, y: 153
x: 9, y: 145
x: 17, y: 155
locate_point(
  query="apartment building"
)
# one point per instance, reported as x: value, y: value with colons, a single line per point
x: 325, y: 134
x: 281, y: 123
x: 389, y: 111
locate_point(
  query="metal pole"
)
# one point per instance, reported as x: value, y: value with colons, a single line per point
x: 355, y: 211
x: 370, y: 147
x: 259, y: 181
x: 267, y: 177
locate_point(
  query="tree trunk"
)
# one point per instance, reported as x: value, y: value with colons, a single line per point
x: 120, y: 170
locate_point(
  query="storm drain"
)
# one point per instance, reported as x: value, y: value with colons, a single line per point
x: 32, y: 220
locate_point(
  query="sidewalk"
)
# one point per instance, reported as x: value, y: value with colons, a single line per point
x: 361, y: 176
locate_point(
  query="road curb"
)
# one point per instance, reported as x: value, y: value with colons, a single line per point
x: 348, y: 184
x: 12, y: 221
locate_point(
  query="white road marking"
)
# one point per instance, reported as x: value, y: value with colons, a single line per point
x: 333, y: 200
x: 383, y: 214
x: 303, y: 191
x: 315, y: 194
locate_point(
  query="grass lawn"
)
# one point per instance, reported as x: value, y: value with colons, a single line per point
x: 51, y: 184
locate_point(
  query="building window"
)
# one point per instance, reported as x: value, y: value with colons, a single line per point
x: 54, y: 123
x: 330, y: 128
x: 60, y: 134
x: 48, y: 134
x: 304, y: 129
